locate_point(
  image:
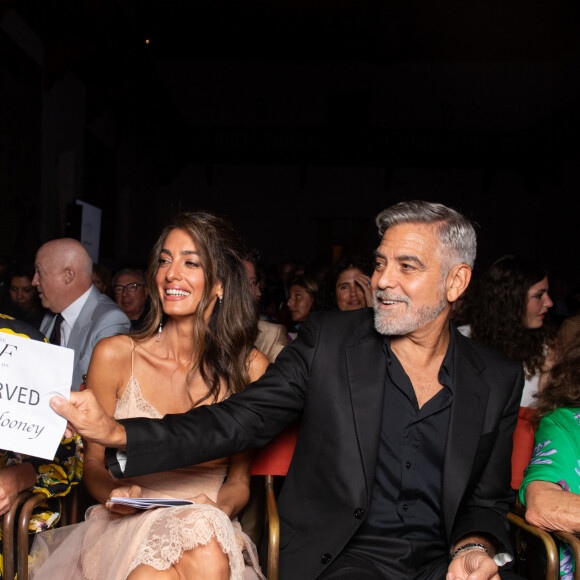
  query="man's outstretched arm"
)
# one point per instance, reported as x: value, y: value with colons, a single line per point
x: 86, y: 416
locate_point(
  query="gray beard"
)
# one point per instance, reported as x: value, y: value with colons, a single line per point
x: 392, y: 324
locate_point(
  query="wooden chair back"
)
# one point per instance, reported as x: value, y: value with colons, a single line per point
x: 270, y: 461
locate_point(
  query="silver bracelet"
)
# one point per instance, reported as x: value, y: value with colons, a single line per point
x: 469, y: 547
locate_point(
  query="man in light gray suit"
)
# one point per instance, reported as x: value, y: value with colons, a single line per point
x: 79, y: 314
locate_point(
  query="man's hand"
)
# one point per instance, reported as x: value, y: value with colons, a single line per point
x: 87, y: 418
x: 472, y: 565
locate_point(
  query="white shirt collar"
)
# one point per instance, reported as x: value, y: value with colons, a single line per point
x: 70, y: 315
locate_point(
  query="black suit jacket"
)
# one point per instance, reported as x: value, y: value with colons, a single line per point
x: 333, y: 376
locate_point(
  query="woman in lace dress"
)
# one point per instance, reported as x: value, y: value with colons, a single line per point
x: 196, y: 348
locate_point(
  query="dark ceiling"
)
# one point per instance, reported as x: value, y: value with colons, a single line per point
x: 104, y: 40
x: 388, y: 84
x: 307, y: 30
x: 121, y: 48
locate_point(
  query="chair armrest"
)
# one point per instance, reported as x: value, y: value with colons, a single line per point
x: 69, y: 513
x: 8, y: 535
x: 574, y: 542
x: 23, y: 523
x: 552, y: 552
x: 273, y: 529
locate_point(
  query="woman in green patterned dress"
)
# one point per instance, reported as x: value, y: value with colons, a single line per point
x: 550, y: 490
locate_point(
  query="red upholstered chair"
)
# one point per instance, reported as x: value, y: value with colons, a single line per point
x: 523, y: 445
x: 271, y: 460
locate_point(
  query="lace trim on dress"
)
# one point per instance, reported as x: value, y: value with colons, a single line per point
x: 132, y: 399
x: 132, y: 396
x: 185, y: 529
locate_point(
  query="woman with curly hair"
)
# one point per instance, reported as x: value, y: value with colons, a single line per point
x: 551, y: 486
x: 506, y: 310
x: 196, y: 348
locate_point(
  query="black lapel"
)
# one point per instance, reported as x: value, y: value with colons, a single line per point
x: 367, y: 364
x: 465, y: 426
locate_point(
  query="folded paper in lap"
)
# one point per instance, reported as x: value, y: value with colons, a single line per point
x: 146, y: 503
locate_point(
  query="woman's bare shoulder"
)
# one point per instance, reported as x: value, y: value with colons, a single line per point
x: 113, y: 348
x: 257, y: 364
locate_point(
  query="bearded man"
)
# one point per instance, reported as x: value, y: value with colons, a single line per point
x: 402, y: 464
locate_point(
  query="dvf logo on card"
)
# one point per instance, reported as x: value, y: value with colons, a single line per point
x: 7, y: 351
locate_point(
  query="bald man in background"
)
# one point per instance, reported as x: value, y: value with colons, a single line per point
x: 79, y: 314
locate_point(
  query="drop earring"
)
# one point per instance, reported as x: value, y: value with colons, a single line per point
x: 220, y: 299
x: 159, y: 331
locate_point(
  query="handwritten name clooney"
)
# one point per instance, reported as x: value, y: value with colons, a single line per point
x: 6, y: 422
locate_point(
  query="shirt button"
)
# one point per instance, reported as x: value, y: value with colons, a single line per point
x: 359, y: 513
x: 325, y: 558
x: 405, y: 507
x: 408, y: 464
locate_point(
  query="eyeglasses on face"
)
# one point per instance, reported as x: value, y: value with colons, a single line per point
x: 131, y: 288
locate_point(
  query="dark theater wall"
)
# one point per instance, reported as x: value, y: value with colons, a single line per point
x: 299, y: 121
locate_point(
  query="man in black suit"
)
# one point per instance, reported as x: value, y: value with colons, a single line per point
x: 402, y: 464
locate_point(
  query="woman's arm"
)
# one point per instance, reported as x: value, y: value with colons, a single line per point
x: 52, y: 478
x: 551, y: 508
x: 105, y: 377
x: 235, y: 492
x: 552, y: 473
x: 13, y: 480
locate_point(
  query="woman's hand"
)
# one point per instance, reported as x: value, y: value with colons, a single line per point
x: 365, y: 283
x: 123, y: 491
x: 13, y: 480
x: 202, y: 498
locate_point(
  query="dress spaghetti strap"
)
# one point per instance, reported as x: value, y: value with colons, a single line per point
x: 132, y: 356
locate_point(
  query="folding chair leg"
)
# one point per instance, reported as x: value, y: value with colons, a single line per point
x: 23, y: 524
x: 273, y: 529
x: 8, y: 535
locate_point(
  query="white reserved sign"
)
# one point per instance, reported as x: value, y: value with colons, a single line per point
x: 31, y: 372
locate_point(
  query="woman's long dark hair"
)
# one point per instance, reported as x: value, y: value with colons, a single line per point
x: 496, y: 307
x: 222, y: 344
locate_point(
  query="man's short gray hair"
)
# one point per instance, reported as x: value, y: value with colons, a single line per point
x: 456, y: 232
x: 132, y: 272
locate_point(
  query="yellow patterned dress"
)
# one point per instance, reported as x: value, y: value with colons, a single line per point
x: 54, y: 478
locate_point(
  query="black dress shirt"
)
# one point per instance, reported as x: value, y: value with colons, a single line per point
x: 406, y: 495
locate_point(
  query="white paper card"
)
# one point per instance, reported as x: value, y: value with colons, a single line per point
x: 146, y: 503
x: 31, y: 372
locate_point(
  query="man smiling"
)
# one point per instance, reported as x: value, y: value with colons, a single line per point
x: 402, y: 464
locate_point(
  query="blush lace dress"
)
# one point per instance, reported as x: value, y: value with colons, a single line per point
x: 109, y: 547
